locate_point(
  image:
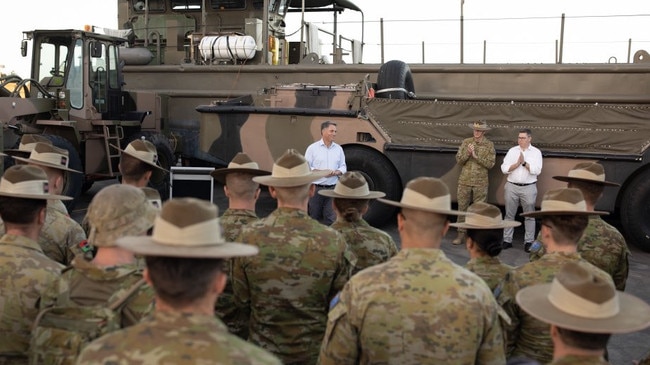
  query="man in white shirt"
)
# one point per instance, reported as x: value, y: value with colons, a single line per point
x: 522, y: 165
x: 325, y: 154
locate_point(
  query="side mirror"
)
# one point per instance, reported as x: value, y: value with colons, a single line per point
x: 23, y: 48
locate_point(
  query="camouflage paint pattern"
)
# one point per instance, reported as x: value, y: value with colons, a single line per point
x: 61, y: 235
x: 86, y: 284
x: 25, y: 273
x: 418, y: 308
x: 580, y: 360
x: 602, y: 245
x: 287, y: 287
x: 370, y: 245
x: 175, y: 338
x: 527, y: 336
x: 232, y: 222
x: 490, y: 269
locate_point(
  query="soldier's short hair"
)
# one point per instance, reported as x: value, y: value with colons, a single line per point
x: 241, y: 185
x: 591, y: 192
x: 182, y: 281
x: 133, y: 168
x: 20, y: 210
x: 566, y: 228
x: 326, y: 124
x: 584, y: 340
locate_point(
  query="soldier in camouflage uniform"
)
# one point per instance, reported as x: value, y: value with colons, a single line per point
x: 242, y: 193
x: 25, y: 271
x: 476, y: 157
x: 184, y: 258
x: 419, y: 307
x: 601, y: 243
x: 563, y: 218
x: 62, y: 238
x: 484, y: 236
x: 583, y: 311
x: 117, y: 210
x: 351, y: 198
x: 301, y: 266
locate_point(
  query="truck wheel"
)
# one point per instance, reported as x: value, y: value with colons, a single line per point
x: 635, y: 211
x: 159, y: 179
x: 395, y: 77
x: 73, y: 182
x: 381, y: 176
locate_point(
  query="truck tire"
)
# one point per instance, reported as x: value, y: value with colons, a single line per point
x: 73, y: 182
x: 159, y: 180
x: 381, y: 176
x: 395, y: 77
x: 635, y: 211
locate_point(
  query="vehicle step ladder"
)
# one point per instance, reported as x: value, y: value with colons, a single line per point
x: 112, y: 136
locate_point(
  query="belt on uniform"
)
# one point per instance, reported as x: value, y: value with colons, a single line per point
x: 325, y: 186
x: 518, y: 184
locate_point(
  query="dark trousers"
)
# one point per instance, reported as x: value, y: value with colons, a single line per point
x: 320, y: 207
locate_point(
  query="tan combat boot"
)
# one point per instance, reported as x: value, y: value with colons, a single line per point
x: 460, y: 239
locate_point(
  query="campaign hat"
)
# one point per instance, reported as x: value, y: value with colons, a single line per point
x: 427, y: 194
x: 48, y: 155
x: 590, y: 172
x: 352, y: 185
x: 28, y: 182
x: 482, y: 215
x: 241, y: 163
x: 563, y: 201
x: 290, y: 170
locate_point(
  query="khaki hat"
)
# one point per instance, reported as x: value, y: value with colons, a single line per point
x: 479, y: 126
x: 189, y: 228
x: 28, y: 182
x: 290, y: 170
x: 352, y: 185
x: 153, y: 196
x: 428, y: 194
x: 563, y: 201
x: 591, y: 172
x: 116, y: 211
x: 240, y: 163
x: 484, y: 216
x: 144, y: 151
x: 26, y: 145
x: 48, y: 155
x: 580, y: 301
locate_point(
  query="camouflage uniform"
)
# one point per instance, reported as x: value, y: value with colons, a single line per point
x: 602, y: 245
x: 287, y: 287
x: 473, y: 179
x: 580, y: 360
x: 490, y: 269
x: 232, y: 222
x: 61, y: 236
x: 527, y: 336
x: 86, y: 284
x: 370, y: 245
x: 25, y: 272
x: 174, y: 338
x: 418, y: 308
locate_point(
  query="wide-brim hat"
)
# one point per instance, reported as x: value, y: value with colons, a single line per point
x: 428, y: 194
x: 482, y: 215
x: 580, y: 301
x: 144, y: 151
x: 352, y: 185
x: 28, y: 182
x: 116, y: 211
x: 48, y: 155
x: 591, y: 172
x: 26, y: 145
x: 187, y: 228
x: 479, y: 126
x: 241, y: 163
x: 290, y: 170
x: 563, y: 201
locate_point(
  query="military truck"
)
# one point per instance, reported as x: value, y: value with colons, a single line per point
x: 577, y: 113
x: 75, y: 98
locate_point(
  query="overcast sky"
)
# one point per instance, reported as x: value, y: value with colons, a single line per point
x: 514, y: 31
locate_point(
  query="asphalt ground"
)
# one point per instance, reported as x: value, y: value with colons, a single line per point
x: 623, y: 349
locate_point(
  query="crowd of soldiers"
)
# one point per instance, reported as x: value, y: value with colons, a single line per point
x: 236, y: 288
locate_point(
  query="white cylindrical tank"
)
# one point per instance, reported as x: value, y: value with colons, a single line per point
x: 227, y: 47
x: 135, y: 55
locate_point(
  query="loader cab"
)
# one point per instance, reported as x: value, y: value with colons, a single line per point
x: 80, y: 67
